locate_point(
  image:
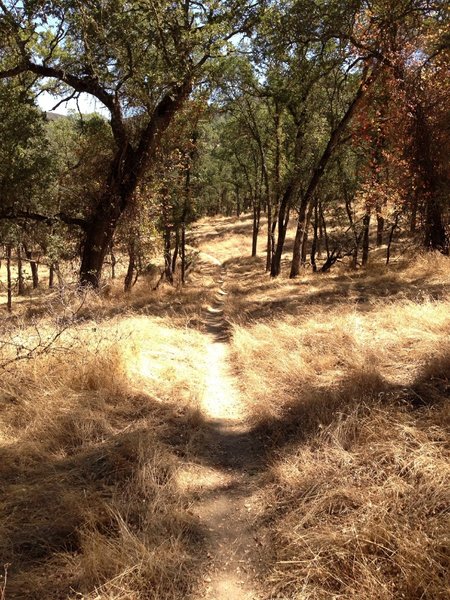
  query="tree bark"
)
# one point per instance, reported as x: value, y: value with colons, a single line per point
x: 391, y: 237
x: 315, y: 237
x: 380, y: 230
x: 168, y: 254
x: 126, y: 170
x: 298, y: 241
x: 320, y: 238
x: 20, y: 277
x: 276, y: 188
x: 305, y: 236
x: 8, y: 278
x: 357, y: 237
x: 113, y: 260
x: 183, y: 253
x: 57, y: 270
x: 318, y: 172
x: 128, y: 282
x: 269, y: 238
x: 365, y: 241
x: 324, y: 230
x: 282, y: 221
x: 33, y: 267
x: 414, y: 210
x: 175, y: 251
x: 51, y: 275
x: 255, y: 228
x: 286, y: 201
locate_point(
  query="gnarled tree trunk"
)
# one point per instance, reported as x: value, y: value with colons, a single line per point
x: 127, y: 168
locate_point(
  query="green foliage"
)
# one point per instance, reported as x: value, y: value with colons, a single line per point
x: 82, y: 147
x: 25, y: 160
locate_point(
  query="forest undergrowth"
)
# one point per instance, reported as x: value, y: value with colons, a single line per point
x: 345, y: 376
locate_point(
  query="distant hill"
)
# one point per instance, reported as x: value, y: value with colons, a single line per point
x: 52, y: 116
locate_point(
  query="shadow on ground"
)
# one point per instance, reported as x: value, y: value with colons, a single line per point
x: 253, y: 448
x: 62, y: 496
x: 254, y: 296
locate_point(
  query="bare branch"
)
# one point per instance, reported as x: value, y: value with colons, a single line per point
x: 49, y: 220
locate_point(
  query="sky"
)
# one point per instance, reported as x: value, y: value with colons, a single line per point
x: 87, y: 104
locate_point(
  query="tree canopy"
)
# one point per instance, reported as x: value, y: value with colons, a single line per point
x: 309, y: 108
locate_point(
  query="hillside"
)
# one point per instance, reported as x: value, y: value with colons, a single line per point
x: 239, y: 437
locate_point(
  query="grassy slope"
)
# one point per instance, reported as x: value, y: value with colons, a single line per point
x: 92, y: 440
x: 347, y: 377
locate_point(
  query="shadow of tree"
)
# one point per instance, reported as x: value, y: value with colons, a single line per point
x: 313, y: 409
x: 255, y: 296
x: 61, y: 493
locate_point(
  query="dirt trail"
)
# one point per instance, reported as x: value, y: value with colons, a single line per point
x: 225, y: 505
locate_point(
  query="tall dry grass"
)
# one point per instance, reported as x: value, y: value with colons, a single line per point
x: 91, y: 442
x: 352, y: 398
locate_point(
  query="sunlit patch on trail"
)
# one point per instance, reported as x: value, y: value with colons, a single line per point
x: 220, y: 398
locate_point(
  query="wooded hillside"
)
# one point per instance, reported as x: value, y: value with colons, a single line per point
x: 224, y: 301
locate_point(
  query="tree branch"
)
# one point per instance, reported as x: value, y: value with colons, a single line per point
x: 49, y: 220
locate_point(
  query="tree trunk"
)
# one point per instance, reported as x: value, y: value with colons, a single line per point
x: 289, y: 196
x: 168, y: 255
x: 20, y: 278
x: 276, y: 186
x: 99, y: 235
x: 127, y: 168
x: 435, y: 235
x: 414, y: 210
x: 320, y: 238
x: 348, y: 208
x: 183, y: 253
x: 256, y: 220
x: 175, y: 250
x: 51, y: 275
x: 380, y: 229
x: 283, y: 220
x: 58, y: 275
x: 33, y: 267
x: 391, y: 237
x: 318, y: 172
x: 315, y: 238
x: 8, y: 278
x: 324, y: 230
x: 128, y: 282
x: 365, y: 241
x: 298, y: 241
x: 113, y: 260
x: 305, y: 236
x: 269, y: 238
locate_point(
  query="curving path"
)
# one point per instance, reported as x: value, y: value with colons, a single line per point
x: 233, y: 454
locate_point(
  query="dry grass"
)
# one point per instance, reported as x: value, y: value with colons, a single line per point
x: 361, y: 511
x: 91, y: 443
x: 346, y: 377
x: 224, y: 237
x: 351, y: 397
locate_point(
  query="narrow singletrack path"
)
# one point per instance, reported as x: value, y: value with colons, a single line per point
x: 224, y: 508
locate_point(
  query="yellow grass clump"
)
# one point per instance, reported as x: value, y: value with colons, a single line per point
x: 352, y: 399
x: 91, y: 442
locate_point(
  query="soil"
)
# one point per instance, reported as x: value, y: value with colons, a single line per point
x: 224, y: 502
